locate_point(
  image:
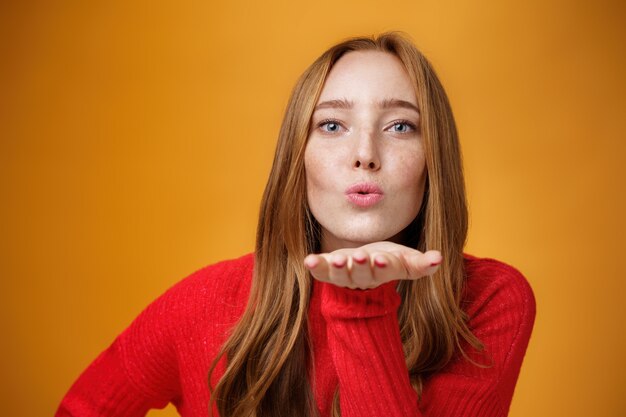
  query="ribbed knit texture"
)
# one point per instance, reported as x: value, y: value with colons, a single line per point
x: 164, y: 356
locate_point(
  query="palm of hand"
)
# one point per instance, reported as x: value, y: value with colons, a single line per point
x: 372, y: 265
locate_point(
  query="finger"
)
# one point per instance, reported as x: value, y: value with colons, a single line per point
x: 387, y: 267
x: 339, y: 270
x: 419, y: 264
x: 318, y: 266
x: 361, y: 271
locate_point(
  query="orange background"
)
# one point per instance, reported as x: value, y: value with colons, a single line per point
x: 136, y: 138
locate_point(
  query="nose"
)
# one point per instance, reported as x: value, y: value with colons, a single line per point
x: 366, y: 152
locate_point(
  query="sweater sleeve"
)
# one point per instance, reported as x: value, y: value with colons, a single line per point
x: 138, y: 372
x: 364, y: 337
x: 105, y: 389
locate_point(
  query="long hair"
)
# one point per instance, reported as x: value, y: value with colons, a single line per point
x: 268, y: 352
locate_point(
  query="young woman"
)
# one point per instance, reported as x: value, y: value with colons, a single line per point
x: 358, y: 300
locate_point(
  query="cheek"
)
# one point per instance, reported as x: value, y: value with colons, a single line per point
x: 314, y: 168
x: 319, y: 163
x: 418, y: 174
x: 413, y: 166
x: 311, y: 167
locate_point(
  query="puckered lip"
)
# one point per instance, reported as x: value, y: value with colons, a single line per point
x: 364, y: 188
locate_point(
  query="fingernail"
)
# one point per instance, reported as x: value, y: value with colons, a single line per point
x: 359, y: 259
x: 435, y: 257
x: 339, y: 263
x: 380, y: 262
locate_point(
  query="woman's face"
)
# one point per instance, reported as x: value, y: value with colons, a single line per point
x: 364, y: 159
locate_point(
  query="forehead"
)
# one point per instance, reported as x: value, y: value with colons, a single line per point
x: 368, y: 76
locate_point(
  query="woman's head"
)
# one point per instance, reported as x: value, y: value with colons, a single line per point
x: 333, y: 76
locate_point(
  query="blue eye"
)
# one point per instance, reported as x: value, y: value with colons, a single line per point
x: 330, y: 126
x: 401, y: 127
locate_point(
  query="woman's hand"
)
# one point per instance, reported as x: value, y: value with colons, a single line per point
x: 372, y: 265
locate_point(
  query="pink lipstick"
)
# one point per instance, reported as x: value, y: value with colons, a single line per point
x: 364, y: 194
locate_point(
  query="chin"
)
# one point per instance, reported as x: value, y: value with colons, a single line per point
x: 360, y: 235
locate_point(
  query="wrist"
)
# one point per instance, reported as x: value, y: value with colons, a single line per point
x: 345, y: 303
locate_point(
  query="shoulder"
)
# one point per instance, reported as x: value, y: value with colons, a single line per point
x: 217, y: 290
x: 230, y: 278
x: 489, y: 280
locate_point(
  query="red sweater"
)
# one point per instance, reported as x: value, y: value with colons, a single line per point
x: 164, y: 356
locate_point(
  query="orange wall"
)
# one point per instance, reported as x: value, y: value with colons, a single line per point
x: 136, y: 138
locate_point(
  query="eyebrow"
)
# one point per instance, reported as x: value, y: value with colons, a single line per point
x: 384, y: 104
x: 392, y: 102
x: 335, y: 104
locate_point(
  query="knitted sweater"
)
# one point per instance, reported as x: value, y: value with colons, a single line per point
x: 165, y: 354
